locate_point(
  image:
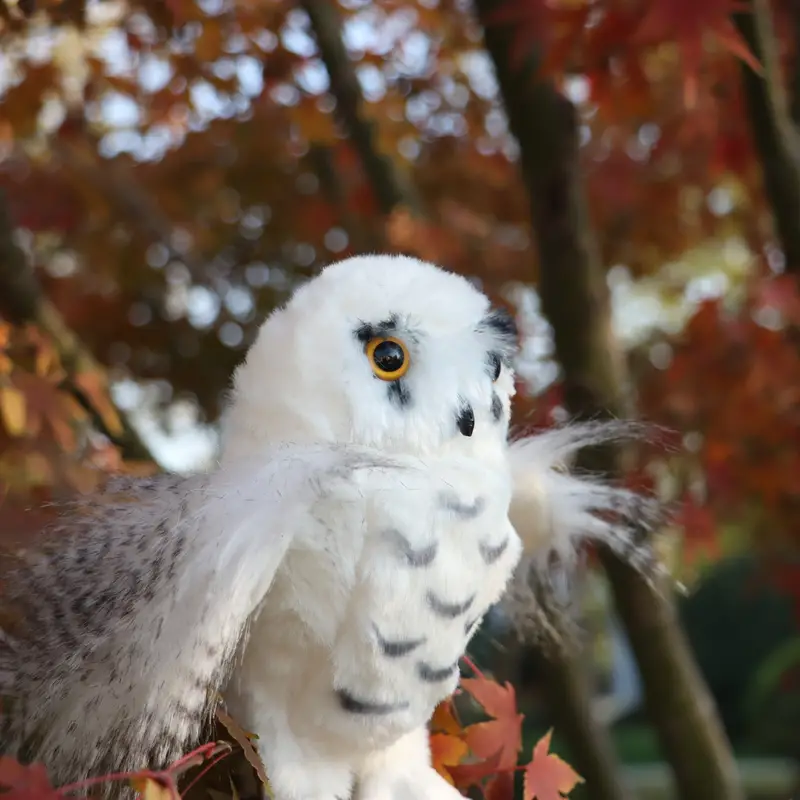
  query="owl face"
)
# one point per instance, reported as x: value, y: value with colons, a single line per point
x: 382, y: 351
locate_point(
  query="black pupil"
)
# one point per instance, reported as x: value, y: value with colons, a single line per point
x: 389, y: 356
x: 496, y: 364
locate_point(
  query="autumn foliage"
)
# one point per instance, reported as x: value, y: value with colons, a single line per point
x: 172, y: 168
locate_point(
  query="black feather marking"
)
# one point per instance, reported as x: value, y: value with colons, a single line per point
x: 355, y: 706
x: 398, y: 393
x: 399, y: 648
x: 445, y: 609
x: 497, y: 407
x: 177, y: 552
x: 450, y: 502
x: 465, y: 419
x: 491, y: 554
x: 431, y: 674
x: 494, y: 365
x: 414, y: 558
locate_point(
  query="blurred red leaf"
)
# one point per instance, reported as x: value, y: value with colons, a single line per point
x: 25, y: 782
x: 688, y: 22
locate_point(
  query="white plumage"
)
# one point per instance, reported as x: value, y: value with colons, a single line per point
x: 329, y: 572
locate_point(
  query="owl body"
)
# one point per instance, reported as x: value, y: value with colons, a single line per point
x: 366, y: 510
x: 381, y: 604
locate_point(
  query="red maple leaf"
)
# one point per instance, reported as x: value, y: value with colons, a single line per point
x: 500, y: 787
x: 501, y: 736
x: 548, y: 777
x: 688, y: 22
x: 466, y: 775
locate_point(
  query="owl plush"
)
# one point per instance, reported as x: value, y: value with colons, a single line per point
x: 366, y: 510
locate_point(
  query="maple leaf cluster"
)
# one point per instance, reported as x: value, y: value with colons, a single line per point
x: 483, y: 755
x: 586, y: 36
x: 47, y: 437
x: 734, y: 377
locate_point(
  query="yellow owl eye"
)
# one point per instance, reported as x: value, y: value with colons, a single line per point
x: 388, y: 357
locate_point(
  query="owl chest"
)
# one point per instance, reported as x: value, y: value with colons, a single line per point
x: 423, y: 587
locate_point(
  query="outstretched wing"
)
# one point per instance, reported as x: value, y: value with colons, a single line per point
x: 130, y: 619
x: 557, y: 511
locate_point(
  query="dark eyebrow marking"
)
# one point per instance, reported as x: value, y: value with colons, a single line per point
x: 445, y: 609
x: 502, y: 323
x: 370, y: 330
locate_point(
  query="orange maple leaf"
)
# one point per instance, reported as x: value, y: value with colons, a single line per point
x: 687, y: 23
x: 444, y: 719
x: 548, y: 777
x: 503, y: 734
x: 447, y: 751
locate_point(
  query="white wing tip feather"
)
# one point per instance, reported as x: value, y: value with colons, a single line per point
x: 554, y: 511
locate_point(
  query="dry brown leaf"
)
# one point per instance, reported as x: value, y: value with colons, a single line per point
x: 241, y: 737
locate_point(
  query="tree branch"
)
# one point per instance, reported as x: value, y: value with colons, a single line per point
x: 776, y: 138
x: 23, y: 302
x: 137, y: 207
x: 795, y: 87
x: 575, y: 299
x: 363, y: 238
x: 390, y: 187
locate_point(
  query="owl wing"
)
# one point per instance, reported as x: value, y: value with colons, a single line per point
x: 135, y: 616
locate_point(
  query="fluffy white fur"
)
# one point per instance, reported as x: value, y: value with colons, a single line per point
x: 326, y: 576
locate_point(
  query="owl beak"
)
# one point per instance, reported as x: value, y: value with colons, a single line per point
x: 466, y: 420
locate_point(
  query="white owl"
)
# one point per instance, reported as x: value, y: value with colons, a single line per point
x: 328, y: 573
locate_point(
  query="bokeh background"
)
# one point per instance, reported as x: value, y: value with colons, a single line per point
x: 623, y: 174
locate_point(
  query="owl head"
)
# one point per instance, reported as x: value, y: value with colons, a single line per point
x: 382, y: 351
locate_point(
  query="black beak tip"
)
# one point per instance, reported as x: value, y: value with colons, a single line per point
x: 466, y: 421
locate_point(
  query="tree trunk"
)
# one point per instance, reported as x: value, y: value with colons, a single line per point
x: 391, y: 190
x: 575, y: 300
x: 776, y: 138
